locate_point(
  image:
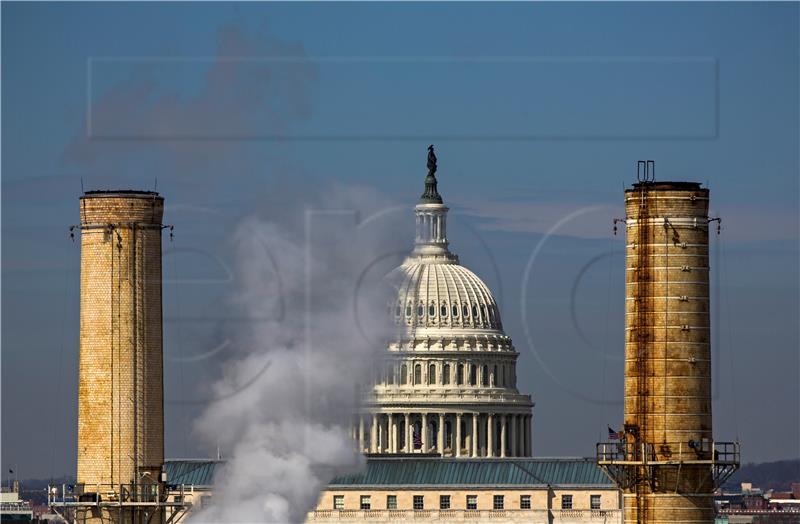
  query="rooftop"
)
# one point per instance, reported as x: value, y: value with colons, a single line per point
x: 433, y: 471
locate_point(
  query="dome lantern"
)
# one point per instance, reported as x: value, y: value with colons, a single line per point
x: 431, y: 217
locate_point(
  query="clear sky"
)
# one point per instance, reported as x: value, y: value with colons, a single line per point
x: 539, y: 113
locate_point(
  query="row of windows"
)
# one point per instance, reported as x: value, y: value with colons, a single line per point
x: 464, y: 312
x: 496, y: 376
x: 498, y: 502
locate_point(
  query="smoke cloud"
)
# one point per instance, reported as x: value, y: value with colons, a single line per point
x: 314, y: 318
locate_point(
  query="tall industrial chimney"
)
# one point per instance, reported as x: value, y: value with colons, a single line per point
x: 120, y: 395
x: 666, y: 460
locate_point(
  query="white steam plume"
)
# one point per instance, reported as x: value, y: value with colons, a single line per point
x: 314, y: 319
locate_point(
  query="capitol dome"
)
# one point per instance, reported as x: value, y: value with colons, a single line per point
x: 448, y: 386
x: 443, y: 295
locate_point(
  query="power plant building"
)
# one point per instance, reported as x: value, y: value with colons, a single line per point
x: 446, y: 432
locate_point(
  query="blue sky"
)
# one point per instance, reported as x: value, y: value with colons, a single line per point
x: 538, y: 111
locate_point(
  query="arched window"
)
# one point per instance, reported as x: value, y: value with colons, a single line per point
x: 432, y: 374
x: 420, y: 310
x: 390, y: 374
x: 446, y: 374
x: 403, y: 374
x: 473, y: 373
x: 443, y: 310
x: 483, y: 312
x: 459, y: 374
x: 485, y: 376
x: 455, y: 310
x: 432, y: 310
x: 474, y: 312
x: 408, y: 310
x: 465, y: 310
x: 417, y: 374
x: 494, y: 377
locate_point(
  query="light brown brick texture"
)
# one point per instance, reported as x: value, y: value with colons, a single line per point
x: 120, y: 395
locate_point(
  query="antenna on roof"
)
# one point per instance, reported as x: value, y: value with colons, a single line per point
x: 82, y: 191
x: 155, y: 184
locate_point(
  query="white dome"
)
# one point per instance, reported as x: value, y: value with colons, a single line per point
x: 442, y: 294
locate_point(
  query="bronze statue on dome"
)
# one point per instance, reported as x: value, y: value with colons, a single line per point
x: 431, y: 160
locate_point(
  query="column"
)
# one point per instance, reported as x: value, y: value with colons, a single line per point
x: 381, y: 434
x: 373, y: 437
x: 513, y: 434
x: 424, y: 432
x: 458, y: 435
x: 391, y: 438
x: 408, y: 448
x: 503, y: 436
x: 474, y: 435
x: 490, y: 435
x: 521, y: 441
x: 361, y: 433
x: 529, y: 438
x: 440, y: 442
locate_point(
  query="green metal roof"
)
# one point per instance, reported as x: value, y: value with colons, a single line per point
x: 190, y: 472
x: 432, y: 472
x: 476, y: 472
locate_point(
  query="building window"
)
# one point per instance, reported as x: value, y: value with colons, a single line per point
x: 390, y: 374
x: 432, y: 374
x: 594, y: 501
x: 446, y: 374
x: 178, y: 499
x: 455, y: 310
x: 566, y: 501
x: 391, y: 501
x: 497, y: 503
x: 465, y: 311
x: 432, y: 310
x: 417, y: 374
x: 474, y: 312
x: 524, y: 502
x: 403, y: 374
x: 444, y: 501
x: 420, y: 310
x: 472, y: 501
x: 459, y: 374
x: 419, y: 502
x: 483, y: 312
x: 338, y: 502
x: 494, y: 377
x: 473, y: 375
x: 365, y: 502
x: 443, y: 311
x: 408, y: 310
x: 485, y: 376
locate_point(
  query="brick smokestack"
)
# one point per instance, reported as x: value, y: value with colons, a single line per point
x: 120, y: 393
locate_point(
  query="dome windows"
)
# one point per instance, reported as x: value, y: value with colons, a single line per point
x: 432, y: 310
x: 408, y: 310
x: 465, y: 311
x: 455, y: 310
x: 474, y: 312
x: 420, y: 310
x: 443, y: 310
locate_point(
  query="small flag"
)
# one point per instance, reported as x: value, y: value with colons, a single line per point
x: 613, y: 435
x: 417, y: 440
